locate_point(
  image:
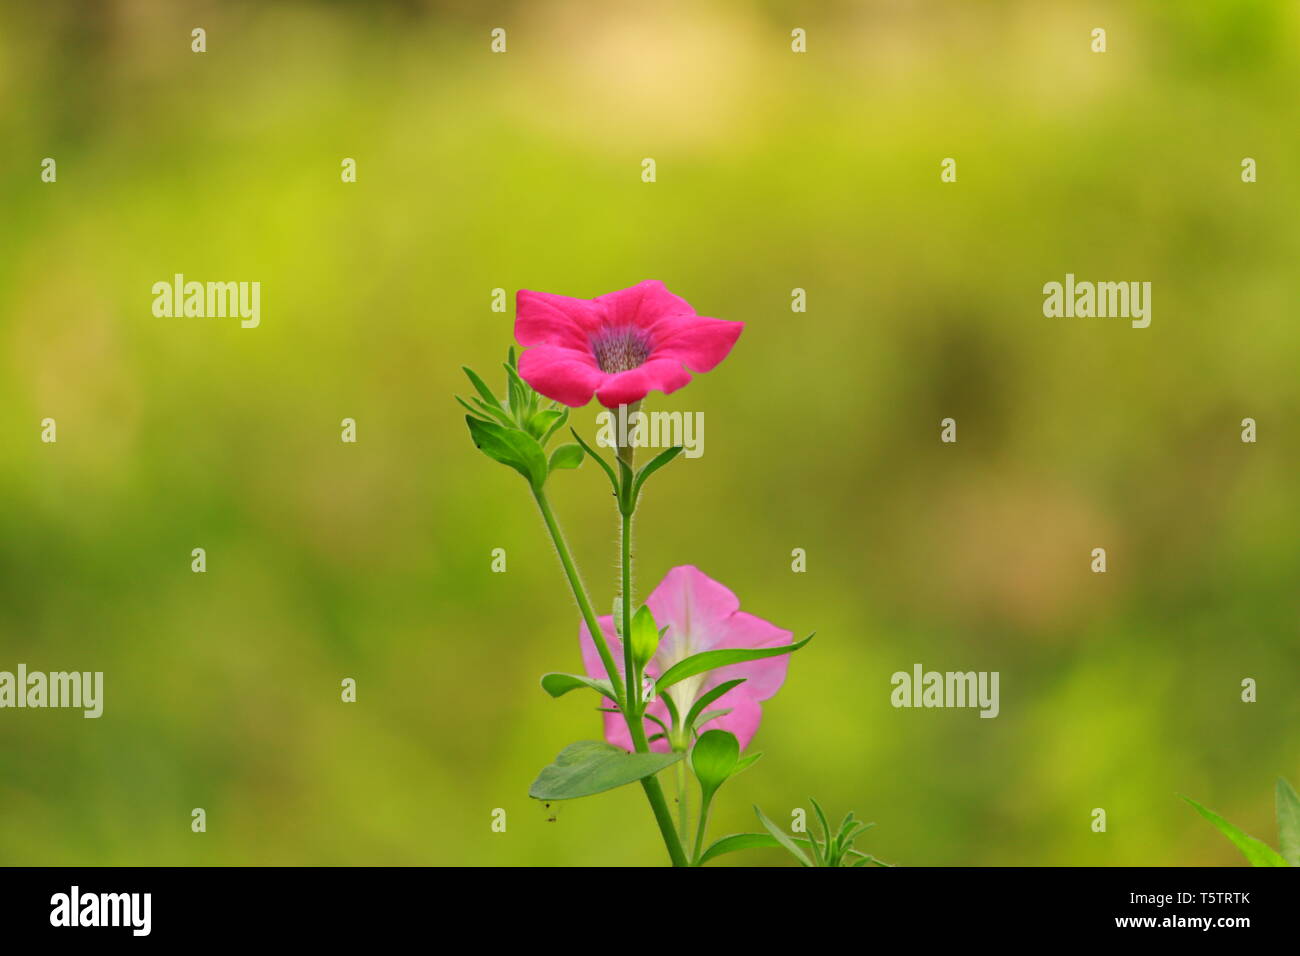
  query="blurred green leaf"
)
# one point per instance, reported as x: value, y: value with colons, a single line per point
x: 593, y: 766
x: 782, y: 838
x: 738, y: 841
x: 1256, y: 851
x: 1288, y: 822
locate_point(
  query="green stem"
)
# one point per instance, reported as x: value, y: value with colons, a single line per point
x: 629, y: 665
x: 579, y: 592
x: 653, y: 791
x: 683, y: 801
x: 704, y: 822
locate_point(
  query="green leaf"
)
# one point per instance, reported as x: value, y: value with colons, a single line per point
x: 626, y: 503
x: 557, y: 684
x: 566, y: 456
x: 544, y: 422
x: 713, y: 758
x: 826, y: 835
x: 510, y: 447
x: 556, y: 426
x: 484, y: 410
x: 1288, y: 822
x: 708, y: 715
x: 673, y: 715
x: 593, y: 766
x: 523, y: 400
x: 738, y: 841
x: 782, y: 838
x: 705, y: 699
x: 710, y: 660
x: 653, y: 465
x: 472, y: 410
x: 480, y: 386
x: 591, y: 453
x: 1256, y: 851
x: 645, y: 636
x: 746, y: 762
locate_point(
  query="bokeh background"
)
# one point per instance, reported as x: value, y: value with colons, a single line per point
x: 775, y: 171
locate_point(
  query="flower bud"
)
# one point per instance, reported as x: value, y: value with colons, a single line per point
x: 645, y: 636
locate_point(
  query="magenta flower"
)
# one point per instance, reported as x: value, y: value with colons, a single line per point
x: 701, y: 615
x: 617, y: 346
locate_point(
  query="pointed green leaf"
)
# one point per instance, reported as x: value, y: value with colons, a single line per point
x: 484, y: 410
x: 705, y: 699
x: 566, y: 456
x: 593, y: 766
x: 626, y: 502
x: 591, y: 453
x: 557, y: 684
x: 472, y: 410
x: 480, y: 386
x: 1288, y: 822
x: 782, y: 838
x: 708, y: 715
x: 710, y: 660
x: 745, y: 762
x: 653, y: 465
x: 1256, y: 851
x: 738, y: 841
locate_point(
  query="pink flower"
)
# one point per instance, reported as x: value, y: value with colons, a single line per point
x: 617, y: 346
x: 701, y: 615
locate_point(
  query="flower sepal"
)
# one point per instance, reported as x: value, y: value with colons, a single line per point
x: 514, y: 430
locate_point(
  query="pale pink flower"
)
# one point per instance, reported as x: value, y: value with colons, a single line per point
x: 701, y: 615
x: 618, y: 346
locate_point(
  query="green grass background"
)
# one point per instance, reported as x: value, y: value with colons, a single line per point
x: 775, y: 171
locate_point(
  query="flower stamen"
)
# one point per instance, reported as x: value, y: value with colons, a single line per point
x: 618, y: 350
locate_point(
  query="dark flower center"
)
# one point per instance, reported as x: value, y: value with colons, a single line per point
x: 618, y: 350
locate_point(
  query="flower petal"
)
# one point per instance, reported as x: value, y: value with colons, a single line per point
x: 641, y: 306
x: 624, y: 388
x: 694, y: 607
x: 743, y: 720
x: 616, y: 731
x: 591, y: 657
x: 542, y: 318
x: 696, y: 341
x: 565, y: 375
x: 763, y: 677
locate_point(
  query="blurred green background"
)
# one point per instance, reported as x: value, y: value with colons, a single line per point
x: 775, y: 171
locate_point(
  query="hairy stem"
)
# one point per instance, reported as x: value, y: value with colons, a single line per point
x: 653, y: 791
